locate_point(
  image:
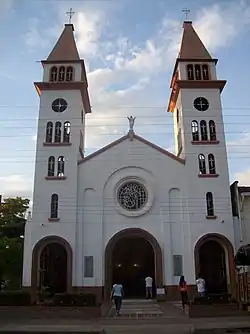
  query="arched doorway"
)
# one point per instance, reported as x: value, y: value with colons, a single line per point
x: 214, y: 261
x: 130, y: 256
x: 53, y: 268
x: 132, y: 261
x: 52, y: 265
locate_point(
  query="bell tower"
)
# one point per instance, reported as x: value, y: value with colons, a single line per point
x: 195, y: 102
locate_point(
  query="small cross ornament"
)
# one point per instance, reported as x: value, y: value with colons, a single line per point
x: 70, y: 14
x: 186, y: 11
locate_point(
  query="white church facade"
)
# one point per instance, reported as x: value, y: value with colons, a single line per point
x: 131, y: 209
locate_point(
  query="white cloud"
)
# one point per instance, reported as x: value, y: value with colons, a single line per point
x: 16, y: 185
x: 243, y: 177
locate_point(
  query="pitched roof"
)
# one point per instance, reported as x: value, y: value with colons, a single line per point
x: 142, y: 140
x: 65, y: 48
x: 191, y: 45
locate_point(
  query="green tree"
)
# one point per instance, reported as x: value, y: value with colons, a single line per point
x: 12, y: 223
x: 12, y: 217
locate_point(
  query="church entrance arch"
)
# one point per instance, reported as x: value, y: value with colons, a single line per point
x: 52, y: 265
x: 130, y: 256
x: 214, y: 261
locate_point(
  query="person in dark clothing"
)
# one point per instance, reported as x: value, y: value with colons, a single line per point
x: 183, y: 292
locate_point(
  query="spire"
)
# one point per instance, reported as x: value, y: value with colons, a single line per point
x: 191, y: 45
x: 65, y: 48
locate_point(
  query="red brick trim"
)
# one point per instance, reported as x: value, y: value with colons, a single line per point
x: 56, y: 144
x: 205, y: 142
x: 53, y: 219
x: 211, y: 217
x: 208, y: 175
x: 55, y: 177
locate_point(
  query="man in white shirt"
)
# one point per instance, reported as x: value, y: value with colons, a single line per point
x: 201, y: 286
x: 149, y: 284
x: 117, y: 294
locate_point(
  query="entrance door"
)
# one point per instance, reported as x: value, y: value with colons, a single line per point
x: 53, y: 268
x: 213, y: 266
x: 132, y: 261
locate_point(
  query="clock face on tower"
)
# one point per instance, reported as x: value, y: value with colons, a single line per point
x: 201, y: 104
x: 59, y: 105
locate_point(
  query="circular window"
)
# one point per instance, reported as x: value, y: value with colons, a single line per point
x: 59, y: 105
x: 132, y: 196
x: 201, y: 104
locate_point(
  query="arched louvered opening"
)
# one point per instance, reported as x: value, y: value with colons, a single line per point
x: 211, y: 164
x: 58, y: 132
x: 62, y: 73
x: 190, y: 72
x: 204, y: 135
x: 51, y: 166
x: 60, y: 166
x: 69, y: 73
x: 54, y: 206
x: 66, y: 132
x: 210, y: 204
x: 212, y: 130
x: 202, y: 164
x: 195, y: 131
x: 53, y: 73
x: 49, y: 132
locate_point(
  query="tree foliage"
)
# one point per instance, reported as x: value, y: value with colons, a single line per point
x: 12, y: 223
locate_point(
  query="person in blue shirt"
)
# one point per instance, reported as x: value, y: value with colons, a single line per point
x: 117, y: 295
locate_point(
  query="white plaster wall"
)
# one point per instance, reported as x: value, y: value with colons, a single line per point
x: 43, y: 189
x: 102, y: 220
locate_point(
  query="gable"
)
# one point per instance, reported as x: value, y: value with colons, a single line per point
x: 132, y: 137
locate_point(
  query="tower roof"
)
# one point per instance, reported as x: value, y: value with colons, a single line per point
x: 191, y: 45
x: 65, y: 48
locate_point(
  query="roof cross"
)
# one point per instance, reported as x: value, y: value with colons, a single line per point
x: 186, y: 11
x: 70, y: 14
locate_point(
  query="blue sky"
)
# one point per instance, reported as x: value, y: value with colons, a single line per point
x: 129, y: 48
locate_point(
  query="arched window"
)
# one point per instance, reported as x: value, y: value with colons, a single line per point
x: 204, y: 135
x: 54, y: 206
x: 210, y: 204
x: 190, y: 72
x: 60, y: 166
x: 212, y: 130
x: 61, y: 73
x: 195, y: 131
x: 58, y: 132
x: 49, y: 132
x: 51, y: 166
x: 211, y: 164
x: 69, y: 73
x: 197, y: 70
x: 66, y: 132
x: 205, y: 73
x: 177, y: 115
x: 53, y: 74
x: 202, y: 164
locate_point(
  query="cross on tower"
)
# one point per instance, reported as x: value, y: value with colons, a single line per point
x: 70, y: 14
x: 186, y: 12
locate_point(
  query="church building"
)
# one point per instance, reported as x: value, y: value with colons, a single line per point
x: 131, y: 209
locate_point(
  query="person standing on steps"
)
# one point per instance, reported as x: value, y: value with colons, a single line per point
x: 183, y: 292
x: 149, y: 287
x: 117, y: 294
x: 201, y: 286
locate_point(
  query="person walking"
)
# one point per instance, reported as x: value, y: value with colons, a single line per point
x: 183, y: 291
x: 149, y: 287
x: 117, y: 294
x: 201, y: 286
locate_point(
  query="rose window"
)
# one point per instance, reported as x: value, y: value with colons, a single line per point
x: 132, y: 196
